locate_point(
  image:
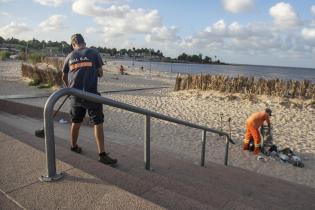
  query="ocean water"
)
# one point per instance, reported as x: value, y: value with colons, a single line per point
x: 267, y: 72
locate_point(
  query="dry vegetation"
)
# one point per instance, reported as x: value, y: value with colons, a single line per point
x: 47, y: 72
x: 247, y: 85
x: 56, y: 62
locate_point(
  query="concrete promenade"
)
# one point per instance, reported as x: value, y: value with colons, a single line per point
x: 173, y: 184
x: 22, y: 165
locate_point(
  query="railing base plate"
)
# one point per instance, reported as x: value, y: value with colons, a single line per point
x: 57, y: 177
x: 150, y: 169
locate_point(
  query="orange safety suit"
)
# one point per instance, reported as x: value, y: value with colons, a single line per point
x: 253, y: 123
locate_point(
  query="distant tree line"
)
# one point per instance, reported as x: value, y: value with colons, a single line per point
x: 49, y: 48
x: 197, y: 59
x: 35, y: 45
x: 130, y: 52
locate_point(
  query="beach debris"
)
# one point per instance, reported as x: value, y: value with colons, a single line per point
x: 252, y: 98
x: 290, y: 157
x: 232, y: 97
x: 63, y: 121
x: 268, y: 149
x: 261, y: 158
x: 311, y: 104
x: 283, y: 157
x: 285, y: 102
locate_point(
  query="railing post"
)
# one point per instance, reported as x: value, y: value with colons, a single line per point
x: 50, y: 140
x: 226, y: 151
x: 147, y: 142
x: 203, y: 148
x: 227, y: 143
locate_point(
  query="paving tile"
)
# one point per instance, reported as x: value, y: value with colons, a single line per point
x: 21, y: 165
x: 172, y: 200
x: 78, y: 190
x: 7, y: 204
x: 104, y: 172
x: 3, y: 137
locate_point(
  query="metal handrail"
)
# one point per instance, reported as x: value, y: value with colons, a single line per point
x: 49, y: 127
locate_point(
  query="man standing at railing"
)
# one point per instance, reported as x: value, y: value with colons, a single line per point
x: 81, y: 70
x: 253, y: 123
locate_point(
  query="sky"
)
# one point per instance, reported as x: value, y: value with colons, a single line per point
x: 259, y: 32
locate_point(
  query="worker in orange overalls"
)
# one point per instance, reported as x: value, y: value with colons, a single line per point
x: 253, y: 123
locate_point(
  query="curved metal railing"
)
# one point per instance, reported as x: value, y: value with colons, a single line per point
x: 50, y: 138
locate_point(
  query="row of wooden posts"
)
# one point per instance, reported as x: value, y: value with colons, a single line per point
x: 247, y: 85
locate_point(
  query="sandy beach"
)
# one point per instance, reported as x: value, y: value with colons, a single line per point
x: 293, y: 124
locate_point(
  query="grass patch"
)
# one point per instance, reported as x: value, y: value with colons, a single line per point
x: 34, y: 82
x: 48, y: 85
x: 35, y: 58
x: 4, y: 55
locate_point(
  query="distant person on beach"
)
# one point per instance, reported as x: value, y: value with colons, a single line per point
x: 81, y: 70
x: 253, y: 123
x: 141, y: 68
x: 121, y: 70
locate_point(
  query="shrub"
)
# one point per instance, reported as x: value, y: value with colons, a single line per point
x: 34, y: 82
x: 22, y: 56
x: 34, y: 58
x: 4, y: 55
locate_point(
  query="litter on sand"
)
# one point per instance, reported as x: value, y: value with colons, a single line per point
x: 63, y: 121
x: 261, y: 158
x: 271, y: 150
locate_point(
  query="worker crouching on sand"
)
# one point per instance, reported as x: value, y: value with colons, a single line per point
x: 253, y: 123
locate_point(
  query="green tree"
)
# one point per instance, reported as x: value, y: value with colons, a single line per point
x: 195, y: 59
x: 200, y: 57
x: 183, y: 57
x: 123, y: 52
x: 4, y: 55
x: 207, y: 59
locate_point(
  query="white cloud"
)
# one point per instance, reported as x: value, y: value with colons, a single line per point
x: 121, y: 20
x: 53, y: 23
x: 133, y: 21
x: 219, y: 27
x: 2, y: 13
x: 236, y: 6
x: 13, y: 29
x: 92, y: 30
x: 250, y: 39
x: 122, y: 26
x: 313, y: 9
x: 163, y: 34
x: 284, y: 15
x: 91, y: 8
x: 5, y: 1
x: 308, y: 34
x: 53, y: 3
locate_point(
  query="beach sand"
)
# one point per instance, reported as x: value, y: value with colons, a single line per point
x: 293, y: 124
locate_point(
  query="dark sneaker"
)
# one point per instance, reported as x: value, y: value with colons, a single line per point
x: 104, y: 158
x: 76, y: 149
